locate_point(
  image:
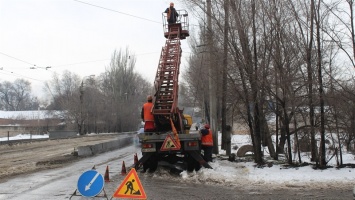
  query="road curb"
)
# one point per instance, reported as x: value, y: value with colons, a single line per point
x: 90, y: 150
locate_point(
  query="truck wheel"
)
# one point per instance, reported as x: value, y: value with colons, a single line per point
x: 151, y: 164
x: 192, y: 164
x: 197, y: 166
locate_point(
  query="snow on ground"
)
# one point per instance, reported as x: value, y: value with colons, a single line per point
x: 31, y: 114
x: 24, y: 137
x: 236, y: 173
x: 226, y: 173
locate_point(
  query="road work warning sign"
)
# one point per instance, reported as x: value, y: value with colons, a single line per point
x: 169, y: 144
x: 131, y: 187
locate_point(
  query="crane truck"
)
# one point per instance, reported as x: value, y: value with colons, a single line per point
x: 171, y: 142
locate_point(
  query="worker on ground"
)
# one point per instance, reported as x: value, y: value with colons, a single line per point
x: 147, y: 116
x: 172, y: 15
x: 207, y: 143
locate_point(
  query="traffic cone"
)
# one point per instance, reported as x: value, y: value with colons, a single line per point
x: 135, y: 159
x: 107, y: 176
x: 123, y: 171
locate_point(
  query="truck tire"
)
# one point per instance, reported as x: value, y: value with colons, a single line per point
x: 192, y: 164
x: 151, y: 163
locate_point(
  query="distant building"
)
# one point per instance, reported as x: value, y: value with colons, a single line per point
x: 38, y: 122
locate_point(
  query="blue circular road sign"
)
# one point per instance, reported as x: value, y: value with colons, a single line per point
x: 90, y: 183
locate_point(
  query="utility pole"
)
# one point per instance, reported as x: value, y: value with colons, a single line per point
x: 212, y: 84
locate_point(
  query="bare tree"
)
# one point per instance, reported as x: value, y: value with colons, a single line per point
x: 65, y: 91
x: 17, y: 95
x: 342, y: 33
x: 125, y: 89
x: 276, y: 57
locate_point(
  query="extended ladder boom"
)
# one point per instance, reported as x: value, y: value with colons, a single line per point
x: 167, y: 76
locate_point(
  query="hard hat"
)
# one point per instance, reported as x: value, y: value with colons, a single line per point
x: 207, y: 126
x: 149, y: 97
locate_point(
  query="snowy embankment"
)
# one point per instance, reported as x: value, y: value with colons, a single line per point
x: 246, y: 173
x: 229, y: 173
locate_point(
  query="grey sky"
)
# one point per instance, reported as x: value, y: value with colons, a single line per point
x: 72, y: 35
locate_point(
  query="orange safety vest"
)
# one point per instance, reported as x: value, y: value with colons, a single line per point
x: 207, y: 140
x: 147, y: 112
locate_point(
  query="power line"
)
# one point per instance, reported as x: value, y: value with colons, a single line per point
x: 34, y: 66
x: 84, y: 62
x: 18, y: 75
x: 16, y: 58
x: 78, y: 63
x: 117, y: 11
x: 63, y: 65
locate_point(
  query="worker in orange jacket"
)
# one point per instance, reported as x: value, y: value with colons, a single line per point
x: 147, y: 116
x: 207, y: 143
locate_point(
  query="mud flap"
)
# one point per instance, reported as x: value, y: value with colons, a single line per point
x: 144, y: 158
x: 197, y: 156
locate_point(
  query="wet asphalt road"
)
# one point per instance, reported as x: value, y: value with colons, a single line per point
x: 158, y: 188
x: 58, y: 184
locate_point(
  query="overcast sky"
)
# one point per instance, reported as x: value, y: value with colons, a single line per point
x: 79, y: 36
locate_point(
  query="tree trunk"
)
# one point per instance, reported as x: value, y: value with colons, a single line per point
x: 267, y: 135
x: 310, y: 86
x: 212, y: 83
x: 255, y: 89
x: 321, y: 95
x: 225, y: 135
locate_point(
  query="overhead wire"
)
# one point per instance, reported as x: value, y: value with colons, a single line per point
x: 11, y: 73
x: 63, y: 65
x: 117, y: 11
x: 142, y: 18
x: 123, y: 12
x: 19, y: 75
x: 94, y: 60
x: 16, y: 58
x: 78, y: 63
x: 84, y: 62
x: 46, y: 68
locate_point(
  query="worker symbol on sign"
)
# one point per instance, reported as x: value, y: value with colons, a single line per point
x: 130, y: 188
x: 169, y: 144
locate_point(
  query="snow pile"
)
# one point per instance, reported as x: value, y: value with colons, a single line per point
x: 24, y: 137
x: 227, y: 173
x: 246, y: 173
x: 30, y: 115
